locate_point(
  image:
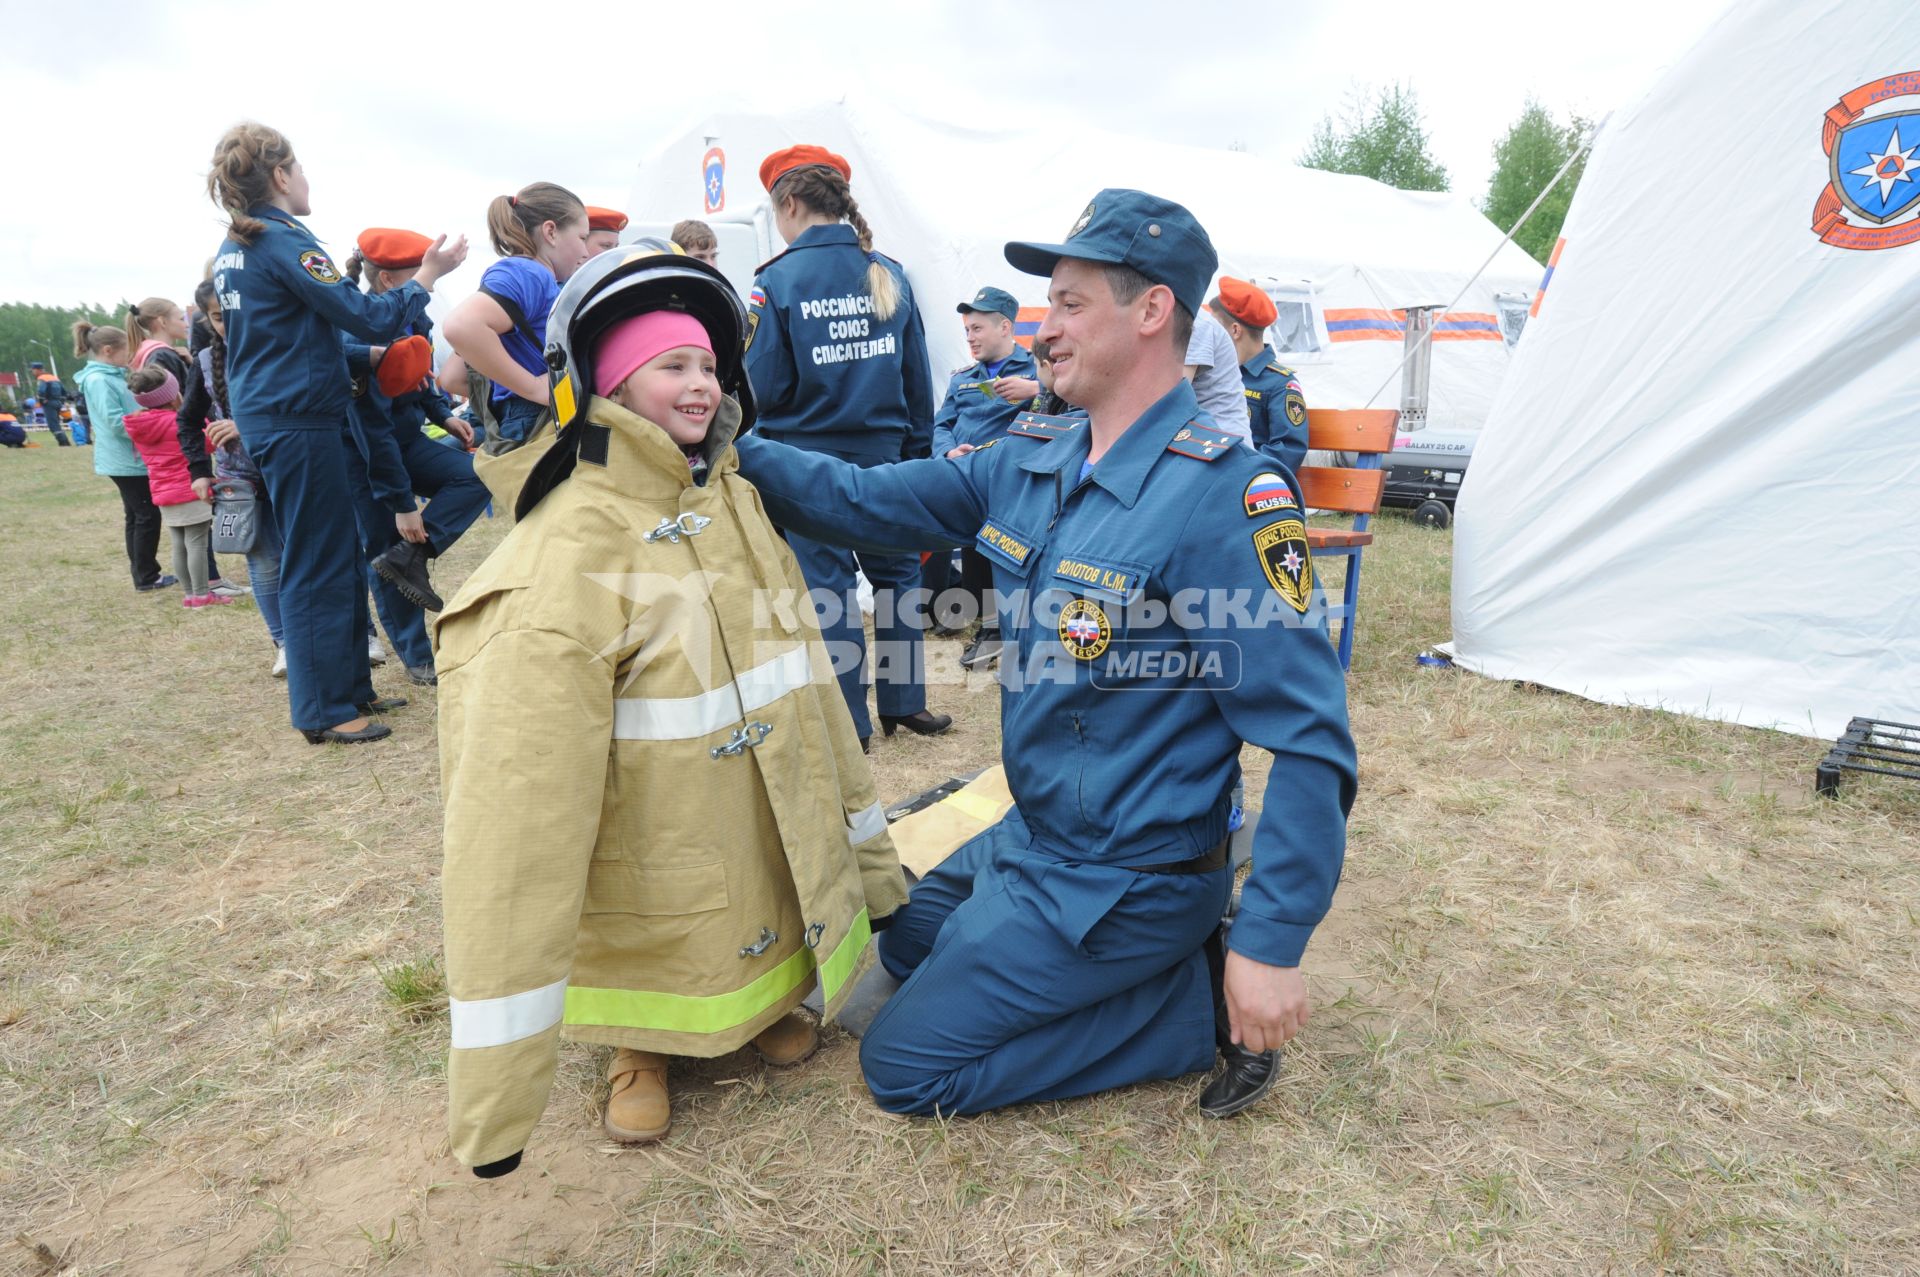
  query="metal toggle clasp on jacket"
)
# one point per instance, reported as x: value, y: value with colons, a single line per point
x: 743, y: 738
x: 688, y: 523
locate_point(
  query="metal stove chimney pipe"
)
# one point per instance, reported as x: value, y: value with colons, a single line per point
x: 1416, y: 369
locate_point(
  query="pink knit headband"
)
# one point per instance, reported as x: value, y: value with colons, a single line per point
x: 632, y: 342
x: 161, y: 395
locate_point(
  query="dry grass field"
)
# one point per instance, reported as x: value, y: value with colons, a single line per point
x: 1603, y: 991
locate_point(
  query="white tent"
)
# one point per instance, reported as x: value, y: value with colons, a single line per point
x: 1700, y: 486
x: 1339, y: 254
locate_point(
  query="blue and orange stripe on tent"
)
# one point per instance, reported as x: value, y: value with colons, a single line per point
x: 1362, y: 324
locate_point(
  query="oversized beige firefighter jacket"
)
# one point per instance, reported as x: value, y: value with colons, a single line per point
x: 659, y: 825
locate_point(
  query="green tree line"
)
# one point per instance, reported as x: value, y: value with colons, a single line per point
x: 29, y: 332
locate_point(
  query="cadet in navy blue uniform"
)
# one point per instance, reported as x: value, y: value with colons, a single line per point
x: 1276, y: 408
x: 982, y: 399
x: 394, y: 424
x: 837, y: 358
x: 385, y: 511
x: 1167, y: 615
x: 285, y: 305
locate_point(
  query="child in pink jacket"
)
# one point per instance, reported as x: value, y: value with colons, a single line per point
x: 185, y: 516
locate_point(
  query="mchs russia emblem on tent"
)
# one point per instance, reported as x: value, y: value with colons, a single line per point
x: 1872, y: 197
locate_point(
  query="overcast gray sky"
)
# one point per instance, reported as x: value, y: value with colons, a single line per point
x: 415, y: 115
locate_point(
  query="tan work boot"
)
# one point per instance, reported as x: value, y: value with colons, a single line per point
x: 638, y: 1111
x: 788, y: 1040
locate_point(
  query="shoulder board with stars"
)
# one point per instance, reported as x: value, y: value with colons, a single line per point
x: 1037, y: 425
x: 1203, y: 443
x: 1282, y: 369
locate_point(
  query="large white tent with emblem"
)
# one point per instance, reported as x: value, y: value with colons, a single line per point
x: 1338, y: 254
x: 1699, y: 487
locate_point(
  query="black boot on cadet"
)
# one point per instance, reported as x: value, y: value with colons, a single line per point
x: 404, y: 566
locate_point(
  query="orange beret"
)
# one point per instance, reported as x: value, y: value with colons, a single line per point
x: 390, y: 249
x: 781, y: 163
x: 1246, y: 302
x: 605, y: 219
x: 407, y: 361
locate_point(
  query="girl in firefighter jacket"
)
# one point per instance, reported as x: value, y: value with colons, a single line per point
x: 660, y: 830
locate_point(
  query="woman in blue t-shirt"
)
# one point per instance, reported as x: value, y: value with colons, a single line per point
x: 501, y: 331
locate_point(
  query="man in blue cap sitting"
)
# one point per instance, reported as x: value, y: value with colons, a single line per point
x: 982, y: 398
x: 1160, y: 612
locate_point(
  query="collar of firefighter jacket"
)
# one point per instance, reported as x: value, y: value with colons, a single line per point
x: 636, y: 457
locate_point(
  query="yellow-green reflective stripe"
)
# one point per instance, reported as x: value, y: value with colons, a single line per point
x: 687, y: 1013
x: 839, y: 963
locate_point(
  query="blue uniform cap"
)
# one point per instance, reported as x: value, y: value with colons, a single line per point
x: 1156, y: 237
x: 36, y: 364
x: 991, y: 301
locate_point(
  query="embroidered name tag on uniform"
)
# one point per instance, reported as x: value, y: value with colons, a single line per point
x: 1110, y: 578
x: 1286, y: 561
x: 317, y: 264
x: 1266, y: 493
x: 997, y: 541
x: 1036, y: 425
x: 1201, y: 442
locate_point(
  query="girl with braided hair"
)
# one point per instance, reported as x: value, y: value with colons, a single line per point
x: 218, y: 462
x: 837, y: 356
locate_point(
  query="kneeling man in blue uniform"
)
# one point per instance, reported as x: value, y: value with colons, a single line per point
x: 1159, y: 612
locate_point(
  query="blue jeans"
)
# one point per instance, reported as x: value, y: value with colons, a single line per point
x: 517, y: 417
x: 263, y: 565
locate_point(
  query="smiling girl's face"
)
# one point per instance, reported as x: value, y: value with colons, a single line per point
x: 677, y: 390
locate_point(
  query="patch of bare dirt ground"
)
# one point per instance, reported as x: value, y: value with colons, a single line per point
x: 1603, y: 990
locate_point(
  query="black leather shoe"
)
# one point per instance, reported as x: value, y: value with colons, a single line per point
x: 372, y: 731
x: 158, y: 583
x: 1244, y: 1077
x: 866, y: 744
x: 382, y: 705
x: 404, y: 567
x: 423, y: 675
x: 925, y: 723
x: 984, y: 649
